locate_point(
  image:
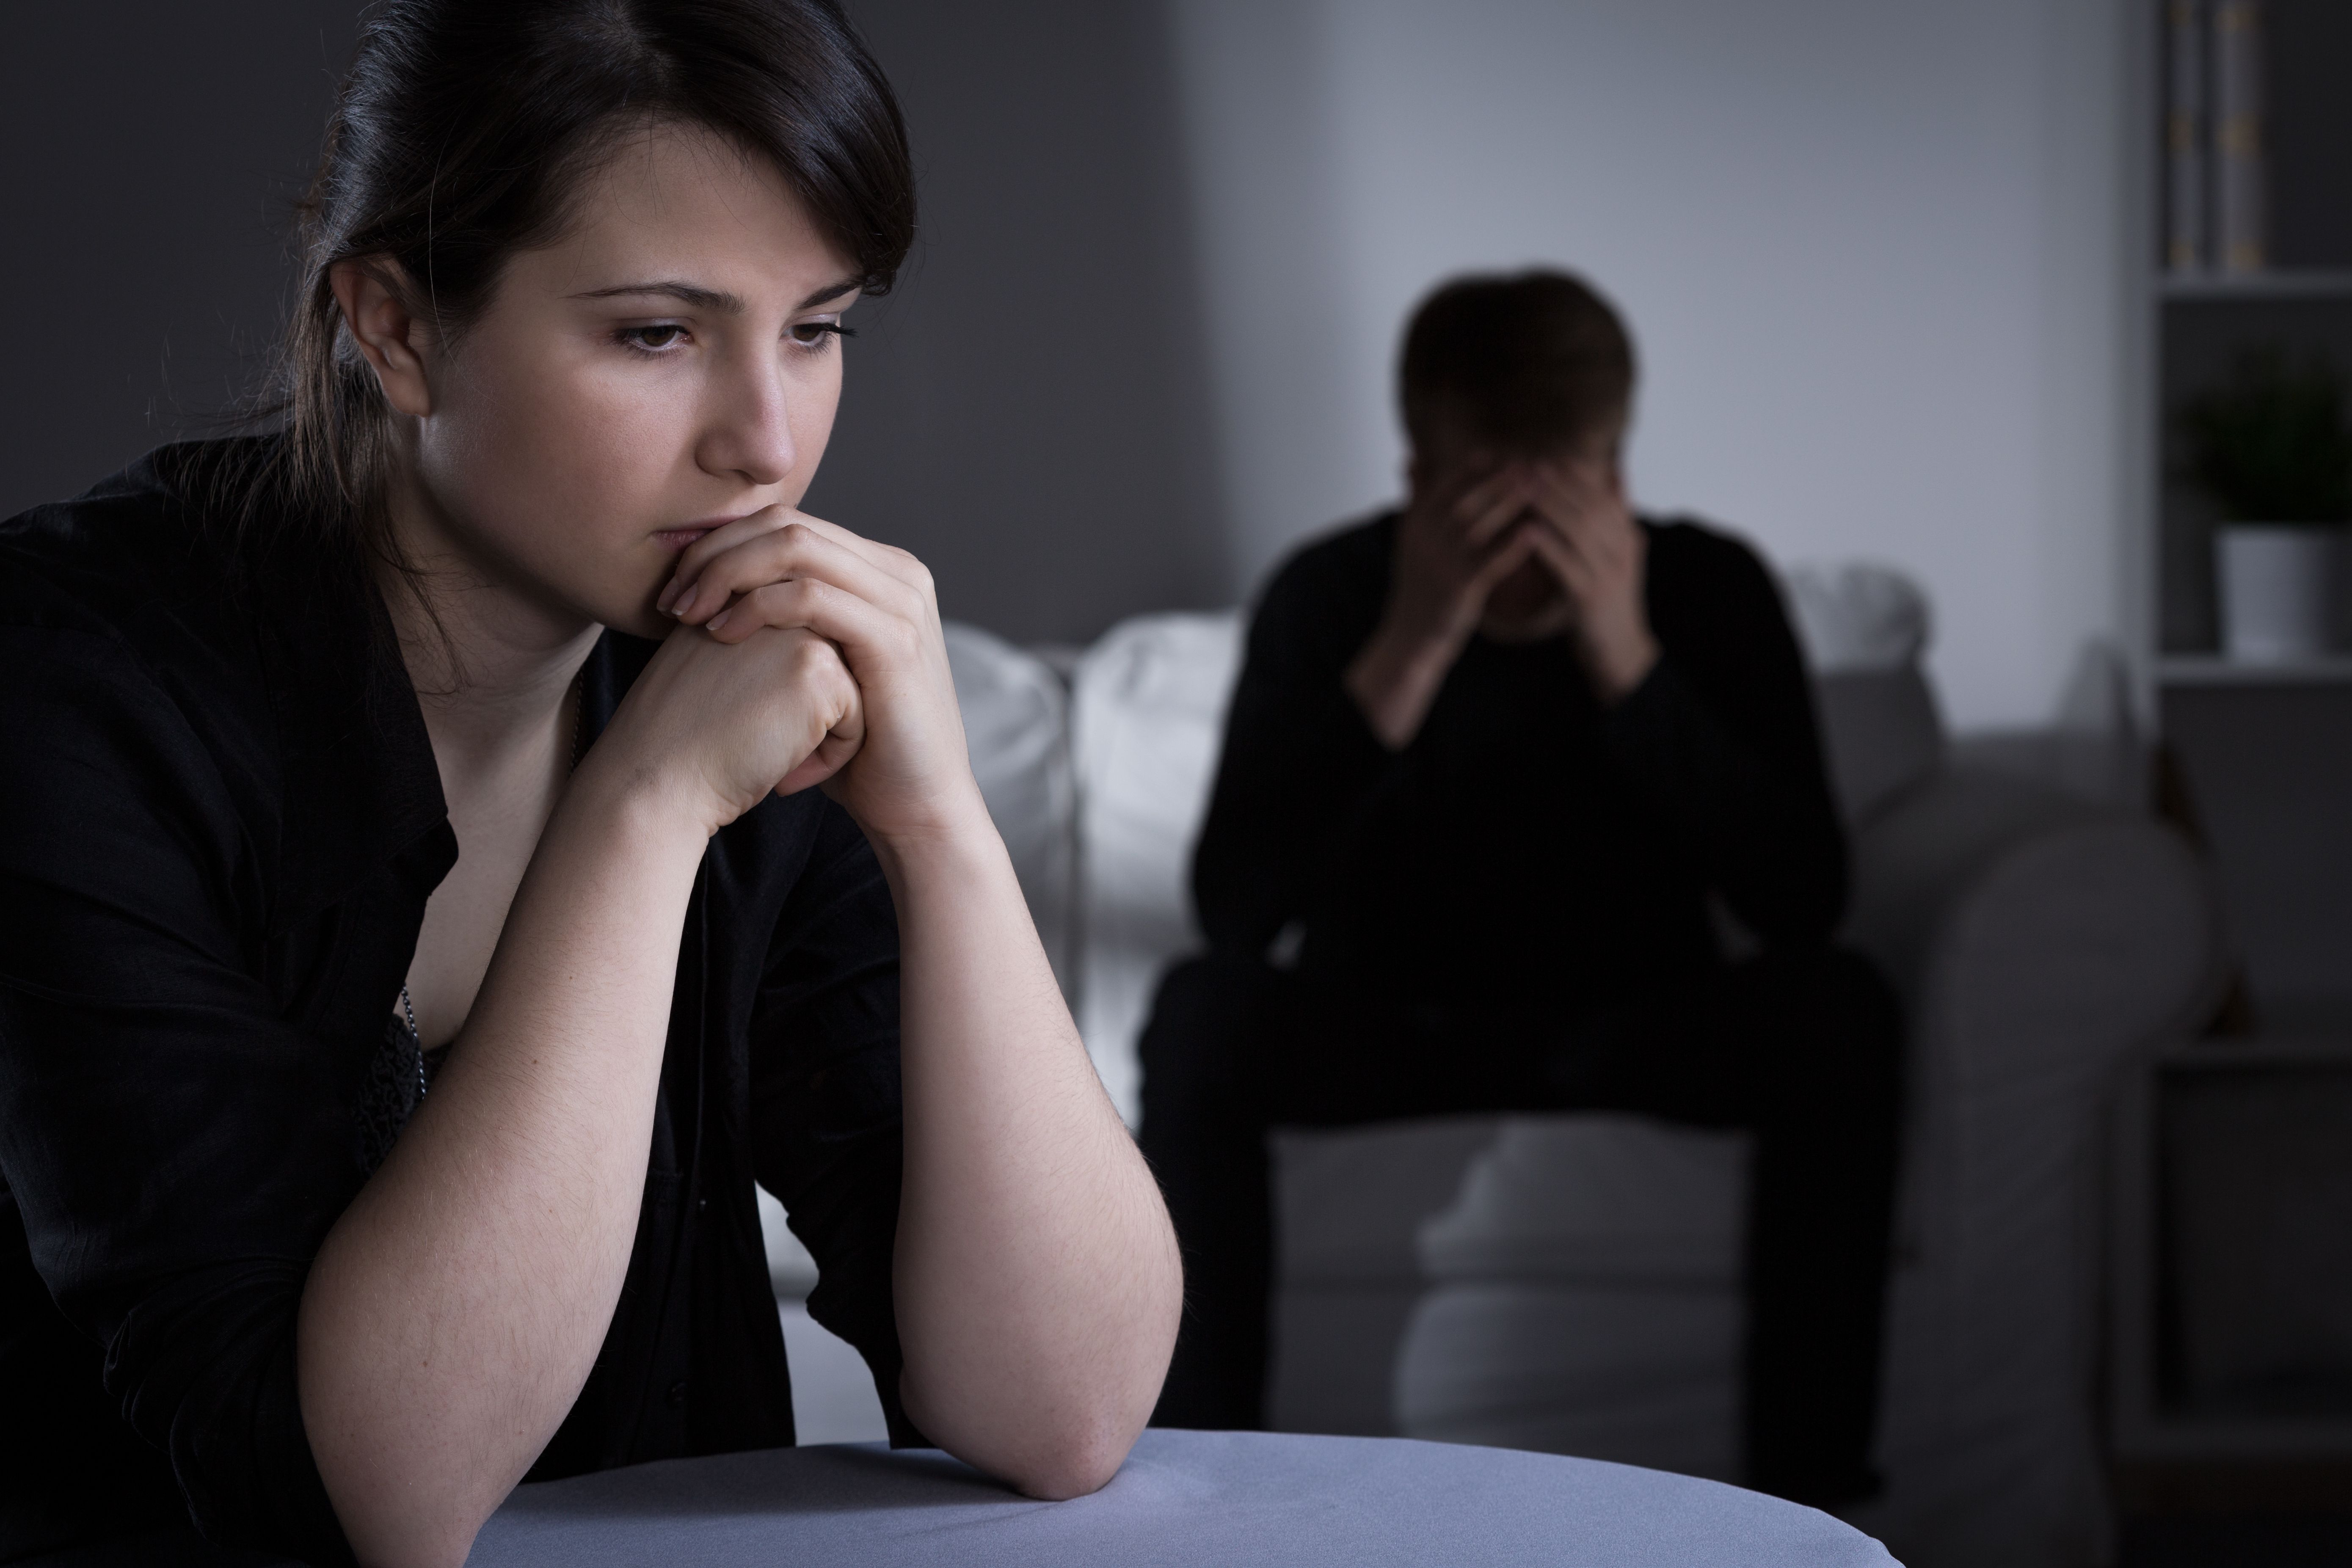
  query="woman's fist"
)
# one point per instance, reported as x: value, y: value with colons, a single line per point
x: 781, y: 570
x: 716, y: 728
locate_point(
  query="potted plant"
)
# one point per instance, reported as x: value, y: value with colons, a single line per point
x: 2273, y: 449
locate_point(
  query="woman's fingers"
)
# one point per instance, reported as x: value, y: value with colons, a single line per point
x: 795, y: 713
x: 756, y: 532
x: 832, y: 753
x: 717, y: 542
x: 870, y: 638
x: 790, y: 553
x: 885, y: 558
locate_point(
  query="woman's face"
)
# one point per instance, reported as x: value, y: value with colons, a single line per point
x: 671, y: 363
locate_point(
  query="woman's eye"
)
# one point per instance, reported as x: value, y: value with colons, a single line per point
x: 820, y: 334
x: 652, y: 339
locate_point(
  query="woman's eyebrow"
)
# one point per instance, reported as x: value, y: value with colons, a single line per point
x: 693, y: 294
x: 703, y: 298
x: 829, y: 292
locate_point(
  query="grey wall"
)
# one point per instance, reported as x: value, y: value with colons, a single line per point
x: 1029, y: 412
x: 153, y: 151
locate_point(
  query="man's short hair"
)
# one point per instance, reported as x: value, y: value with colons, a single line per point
x: 1532, y: 360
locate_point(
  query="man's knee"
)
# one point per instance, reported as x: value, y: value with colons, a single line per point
x: 1197, y: 1044
x: 1834, y: 1020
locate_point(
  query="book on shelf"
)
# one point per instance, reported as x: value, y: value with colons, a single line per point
x: 2184, y: 136
x: 2240, y: 221
x: 2216, y: 217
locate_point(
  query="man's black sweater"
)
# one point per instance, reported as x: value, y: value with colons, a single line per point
x: 1530, y: 853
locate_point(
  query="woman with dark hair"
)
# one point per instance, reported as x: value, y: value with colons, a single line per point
x: 457, y: 843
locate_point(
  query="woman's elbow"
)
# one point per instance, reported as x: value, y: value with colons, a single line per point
x: 1080, y: 1452
x: 1075, y: 1464
x: 1052, y: 1450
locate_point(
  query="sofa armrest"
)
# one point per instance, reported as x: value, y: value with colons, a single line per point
x: 2039, y: 941
x: 1982, y: 878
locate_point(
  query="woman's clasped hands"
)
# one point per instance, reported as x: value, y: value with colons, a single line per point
x: 806, y: 655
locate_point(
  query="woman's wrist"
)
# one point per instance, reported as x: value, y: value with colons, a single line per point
x: 959, y: 832
x: 613, y: 797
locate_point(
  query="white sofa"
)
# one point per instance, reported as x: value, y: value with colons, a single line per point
x: 1570, y: 1282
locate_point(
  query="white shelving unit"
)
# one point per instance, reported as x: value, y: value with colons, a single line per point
x: 2299, y: 284
x: 2265, y: 751
x: 2149, y: 1423
x: 2216, y: 669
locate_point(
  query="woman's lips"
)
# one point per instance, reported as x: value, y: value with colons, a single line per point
x: 675, y: 540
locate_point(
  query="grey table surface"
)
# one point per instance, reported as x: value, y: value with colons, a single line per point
x: 1191, y: 1499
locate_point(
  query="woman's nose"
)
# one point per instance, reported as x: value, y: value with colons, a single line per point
x: 749, y: 428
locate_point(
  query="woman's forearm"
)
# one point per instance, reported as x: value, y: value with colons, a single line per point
x: 455, y: 1310
x: 1037, y: 1281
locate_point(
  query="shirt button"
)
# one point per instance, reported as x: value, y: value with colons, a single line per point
x: 677, y: 1395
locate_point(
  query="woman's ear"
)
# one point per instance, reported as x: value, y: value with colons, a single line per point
x: 375, y: 311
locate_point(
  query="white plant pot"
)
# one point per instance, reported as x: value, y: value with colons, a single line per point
x: 2277, y: 580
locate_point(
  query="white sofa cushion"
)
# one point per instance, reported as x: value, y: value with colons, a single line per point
x: 1582, y: 1199
x: 1588, y: 1199
x: 1148, y: 713
x: 1864, y: 630
x: 1016, y: 727
x: 1858, y: 617
x: 1570, y: 1234
x: 1882, y: 736
x: 1565, y: 1283
x: 1639, y: 1376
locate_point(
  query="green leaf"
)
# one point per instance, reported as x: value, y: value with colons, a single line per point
x: 2274, y: 446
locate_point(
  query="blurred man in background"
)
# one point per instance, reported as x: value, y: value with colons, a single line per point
x: 1497, y: 765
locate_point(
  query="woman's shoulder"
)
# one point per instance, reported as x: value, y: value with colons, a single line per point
x: 130, y: 628
x: 161, y: 533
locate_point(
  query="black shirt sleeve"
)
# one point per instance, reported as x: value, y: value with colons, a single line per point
x: 1300, y: 768
x: 131, y: 1018
x: 1720, y: 742
x: 825, y: 1106
x: 1717, y: 750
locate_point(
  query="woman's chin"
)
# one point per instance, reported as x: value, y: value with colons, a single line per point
x: 646, y: 622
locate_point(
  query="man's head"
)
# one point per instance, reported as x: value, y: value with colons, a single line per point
x: 1534, y: 365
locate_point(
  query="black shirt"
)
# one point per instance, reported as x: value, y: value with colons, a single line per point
x: 1530, y: 851
x: 220, y: 818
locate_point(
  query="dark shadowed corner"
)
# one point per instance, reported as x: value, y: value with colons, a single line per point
x: 154, y: 153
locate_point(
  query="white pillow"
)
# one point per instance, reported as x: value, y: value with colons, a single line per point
x: 1147, y: 714
x: 1857, y: 616
x: 1863, y: 629
x: 1015, y: 723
